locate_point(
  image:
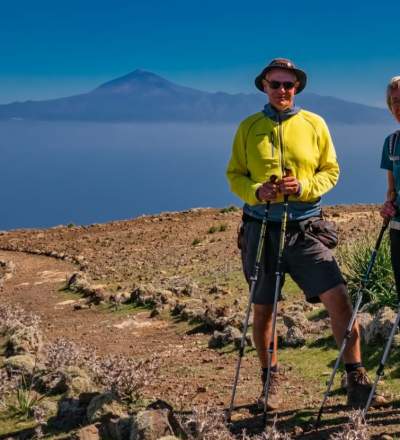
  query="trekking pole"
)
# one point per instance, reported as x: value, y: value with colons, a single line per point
x: 279, y: 275
x: 349, y: 329
x: 253, y: 284
x: 380, y: 372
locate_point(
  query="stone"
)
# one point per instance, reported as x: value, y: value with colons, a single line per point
x: 24, y: 339
x: 77, y: 281
x: 296, y: 319
x: 116, y: 428
x: 177, y: 309
x: 173, y: 421
x: 143, y: 295
x: 195, y: 314
x: 364, y: 320
x: 294, y: 337
x: 90, y: 432
x: 24, y: 363
x: 168, y: 437
x: 381, y: 326
x: 104, y: 406
x: 151, y: 425
x: 217, y: 340
x: 77, y: 381
x: 52, y: 383
x: 228, y: 336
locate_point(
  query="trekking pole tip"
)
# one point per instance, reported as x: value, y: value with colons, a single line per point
x: 264, y: 419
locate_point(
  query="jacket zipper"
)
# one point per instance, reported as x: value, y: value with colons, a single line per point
x: 281, y: 151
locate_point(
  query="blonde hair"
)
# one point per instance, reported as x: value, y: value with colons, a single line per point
x: 394, y: 83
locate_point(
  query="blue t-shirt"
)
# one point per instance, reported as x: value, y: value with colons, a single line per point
x: 391, y: 161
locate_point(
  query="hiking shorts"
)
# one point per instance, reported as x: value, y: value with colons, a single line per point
x: 306, y: 259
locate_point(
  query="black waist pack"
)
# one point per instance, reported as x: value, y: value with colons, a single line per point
x: 321, y: 229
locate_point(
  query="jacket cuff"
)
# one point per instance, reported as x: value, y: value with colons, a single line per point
x: 299, y: 191
x: 303, y: 188
x: 254, y: 199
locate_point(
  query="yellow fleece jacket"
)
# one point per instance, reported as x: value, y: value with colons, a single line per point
x: 308, y: 151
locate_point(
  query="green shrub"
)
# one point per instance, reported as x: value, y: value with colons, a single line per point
x: 231, y: 208
x: 196, y: 241
x: 221, y: 228
x: 354, y: 259
x: 25, y: 399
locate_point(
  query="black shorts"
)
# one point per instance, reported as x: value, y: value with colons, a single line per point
x: 309, y: 262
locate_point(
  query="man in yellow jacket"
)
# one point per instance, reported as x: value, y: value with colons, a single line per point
x: 284, y: 137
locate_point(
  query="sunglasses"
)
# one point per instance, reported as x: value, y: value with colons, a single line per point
x: 287, y: 85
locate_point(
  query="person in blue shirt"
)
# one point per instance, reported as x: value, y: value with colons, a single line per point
x: 391, y: 163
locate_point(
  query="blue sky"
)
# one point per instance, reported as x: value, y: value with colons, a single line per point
x: 58, y: 48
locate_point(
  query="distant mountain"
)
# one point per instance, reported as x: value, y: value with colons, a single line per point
x: 145, y: 96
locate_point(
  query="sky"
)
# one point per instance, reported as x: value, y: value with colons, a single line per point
x: 49, y: 49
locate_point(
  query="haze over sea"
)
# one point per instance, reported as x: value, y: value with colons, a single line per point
x: 77, y: 172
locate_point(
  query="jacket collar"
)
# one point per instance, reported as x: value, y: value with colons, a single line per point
x: 272, y: 113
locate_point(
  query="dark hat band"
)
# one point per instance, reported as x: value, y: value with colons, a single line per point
x: 282, y: 63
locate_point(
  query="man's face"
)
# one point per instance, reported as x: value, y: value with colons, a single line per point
x: 395, y: 102
x: 282, y: 97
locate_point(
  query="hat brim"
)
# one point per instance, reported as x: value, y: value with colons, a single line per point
x: 300, y: 75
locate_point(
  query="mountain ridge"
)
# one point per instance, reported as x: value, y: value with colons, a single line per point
x: 141, y: 96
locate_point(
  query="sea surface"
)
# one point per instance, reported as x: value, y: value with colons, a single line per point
x: 71, y: 172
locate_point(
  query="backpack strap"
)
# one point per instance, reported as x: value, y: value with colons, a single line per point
x: 393, y: 139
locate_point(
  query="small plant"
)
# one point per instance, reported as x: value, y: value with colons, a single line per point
x: 124, y: 377
x: 205, y: 424
x: 23, y: 403
x: 63, y: 353
x: 356, y: 429
x: 355, y: 259
x: 196, y: 241
x: 25, y: 400
x: 230, y: 208
x: 70, y: 225
x: 221, y: 228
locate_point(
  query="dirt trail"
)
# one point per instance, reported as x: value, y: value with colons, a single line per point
x: 185, y: 359
x: 190, y: 373
x: 37, y: 286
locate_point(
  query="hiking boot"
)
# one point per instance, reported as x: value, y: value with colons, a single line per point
x: 274, y: 400
x: 358, y: 390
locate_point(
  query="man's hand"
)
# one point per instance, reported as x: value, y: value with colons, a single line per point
x: 267, y: 192
x: 388, y: 209
x: 289, y: 185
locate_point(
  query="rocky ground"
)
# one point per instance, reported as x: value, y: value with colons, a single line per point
x: 171, y: 286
